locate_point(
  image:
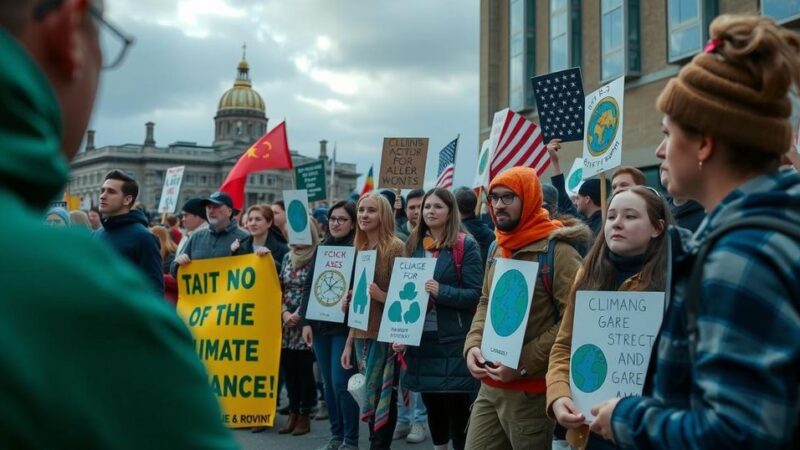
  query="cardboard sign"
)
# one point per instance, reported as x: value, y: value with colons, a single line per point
x: 406, y: 301
x: 311, y: 177
x: 359, y: 304
x: 297, y: 218
x: 403, y: 163
x: 332, y: 272
x: 233, y: 308
x: 171, y: 190
x: 510, y: 300
x: 574, y: 180
x: 612, y: 337
x: 602, y: 143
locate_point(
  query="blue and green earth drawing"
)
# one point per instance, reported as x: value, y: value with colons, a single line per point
x: 575, y: 180
x: 483, y: 161
x: 509, y: 302
x: 603, y: 125
x: 297, y: 216
x: 589, y: 368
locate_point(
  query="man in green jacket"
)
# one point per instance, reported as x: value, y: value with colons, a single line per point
x: 91, y: 357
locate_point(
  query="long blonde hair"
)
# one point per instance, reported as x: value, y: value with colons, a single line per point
x: 385, y: 226
x: 167, y: 245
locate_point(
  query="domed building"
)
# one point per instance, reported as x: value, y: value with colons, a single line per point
x: 241, y: 114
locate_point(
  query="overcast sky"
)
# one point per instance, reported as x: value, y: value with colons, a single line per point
x: 351, y: 72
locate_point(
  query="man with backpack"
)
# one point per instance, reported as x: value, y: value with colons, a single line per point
x: 510, y: 408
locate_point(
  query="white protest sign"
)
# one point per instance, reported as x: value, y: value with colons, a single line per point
x: 171, y: 190
x: 575, y: 178
x: 365, y: 275
x: 612, y: 336
x: 332, y: 272
x: 510, y: 302
x: 297, y: 218
x: 406, y: 301
x: 602, y: 143
x: 482, y: 173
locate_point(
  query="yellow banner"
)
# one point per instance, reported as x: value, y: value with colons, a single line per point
x: 233, y: 307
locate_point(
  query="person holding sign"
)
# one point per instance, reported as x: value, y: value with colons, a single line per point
x: 376, y: 360
x: 264, y: 236
x: 630, y: 256
x: 510, y: 408
x: 329, y: 340
x: 436, y: 368
x: 297, y: 361
x: 727, y: 365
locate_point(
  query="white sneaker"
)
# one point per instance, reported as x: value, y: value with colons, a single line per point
x: 417, y: 433
x: 401, y: 431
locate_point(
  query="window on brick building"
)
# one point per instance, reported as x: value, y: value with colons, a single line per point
x: 781, y: 10
x: 565, y: 34
x: 619, y: 38
x: 522, y: 54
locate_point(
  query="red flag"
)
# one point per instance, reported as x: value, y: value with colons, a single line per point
x: 269, y: 152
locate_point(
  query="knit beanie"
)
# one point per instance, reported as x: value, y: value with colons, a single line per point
x: 60, y: 212
x: 722, y: 93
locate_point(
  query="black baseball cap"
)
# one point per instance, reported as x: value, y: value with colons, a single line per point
x: 220, y: 198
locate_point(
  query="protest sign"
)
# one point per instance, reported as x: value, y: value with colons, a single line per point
x: 575, y: 177
x: 482, y: 173
x: 171, y: 190
x: 297, y: 218
x: 332, y: 272
x: 403, y: 163
x: 233, y: 306
x: 510, y: 300
x: 560, y: 101
x: 311, y: 177
x: 406, y: 301
x: 602, y: 143
x: 612, y: 336
x: 365, y: 274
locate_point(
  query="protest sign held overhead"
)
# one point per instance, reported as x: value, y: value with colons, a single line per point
x: 297, y: 218
x: 232, y: 307
x: 602, y: 144
x: 612, y: 337
x: 360, y: 303
x: 311, y: 177
x: 171, y: 190
x: 403, y: 163
x: 515, y: 141
x: 332, y: 272
x: 559, y: 100
x: 510, y: 302
x: 406, y: 301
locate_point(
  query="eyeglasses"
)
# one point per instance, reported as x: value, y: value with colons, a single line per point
x: 507, y: 199
x: 339, y: 220
x: 114, y: 42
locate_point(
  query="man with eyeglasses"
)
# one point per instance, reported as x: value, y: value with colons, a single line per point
x: 92, y: 357
x: 510, y: 409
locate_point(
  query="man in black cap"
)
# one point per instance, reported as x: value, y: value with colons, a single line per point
x: 193, y: 215
x: 214, y: 241
x: 589, y: 202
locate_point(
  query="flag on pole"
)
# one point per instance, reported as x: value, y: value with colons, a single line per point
x: 447, y: 165
x: 369, y: 183
x: 331, y: 195
x: 515, y: 141
x: 269, y: 152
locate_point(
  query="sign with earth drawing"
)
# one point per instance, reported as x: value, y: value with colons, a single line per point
x: 359, y: 304
x: 602, y: 143
x: 406, y: 301
x: 575, y: 177
x: 331, y: 282
x: 612, y: 337
x: 297, y: 218
x: 482, y: 174
x: 510, y: 299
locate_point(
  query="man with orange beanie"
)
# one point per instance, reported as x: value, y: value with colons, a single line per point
x: 510, y: 408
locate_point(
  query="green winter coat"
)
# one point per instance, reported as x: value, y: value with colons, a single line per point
x: 91, y: 357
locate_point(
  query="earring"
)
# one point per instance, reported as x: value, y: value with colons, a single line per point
x: 700, y: 166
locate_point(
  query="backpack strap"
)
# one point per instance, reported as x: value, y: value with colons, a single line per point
x: 546, y: 261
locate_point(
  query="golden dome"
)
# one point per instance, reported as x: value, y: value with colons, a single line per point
x: 242, y: 95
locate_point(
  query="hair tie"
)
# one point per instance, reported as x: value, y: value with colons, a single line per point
x: 712, y: 45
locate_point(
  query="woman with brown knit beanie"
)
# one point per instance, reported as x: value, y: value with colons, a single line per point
x: 726, y: 367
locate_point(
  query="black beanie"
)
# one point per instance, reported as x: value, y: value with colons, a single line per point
x: 196, y: 207
x: 591, y: 188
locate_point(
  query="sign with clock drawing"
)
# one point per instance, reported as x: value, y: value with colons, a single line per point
x: 332, y: 272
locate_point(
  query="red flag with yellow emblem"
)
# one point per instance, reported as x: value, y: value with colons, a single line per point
x: 269, y: 152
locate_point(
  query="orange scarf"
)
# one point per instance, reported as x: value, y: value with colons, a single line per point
x: 534, y: 222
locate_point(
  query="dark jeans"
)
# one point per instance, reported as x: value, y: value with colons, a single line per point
x: 343, y: 410
x: 298, y: 367
x: 448, y: 415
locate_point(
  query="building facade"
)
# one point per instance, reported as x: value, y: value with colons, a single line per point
x: 240, y: 121
x: 646, y: 41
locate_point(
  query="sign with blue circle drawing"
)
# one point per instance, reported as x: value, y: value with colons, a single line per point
x: 510, y: 299
x: 406, y: 302
x: 297, y: 221
x: 360, y: 302
x: 612, y: 337
x: 602, y: 143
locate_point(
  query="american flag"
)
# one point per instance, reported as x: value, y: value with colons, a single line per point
x: 514, y: 141
x: 560, y: 100
x: 447, y: 165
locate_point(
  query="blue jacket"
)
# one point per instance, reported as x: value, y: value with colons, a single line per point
x: 743, y: 389
x: 129, y: 235
x: 481, y: 232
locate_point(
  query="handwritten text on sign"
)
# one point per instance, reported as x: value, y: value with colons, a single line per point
x: 403, y: 163
x: 232, y: 306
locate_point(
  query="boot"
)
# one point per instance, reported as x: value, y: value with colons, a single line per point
x: 303, y: 425
x: 291, y: 424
